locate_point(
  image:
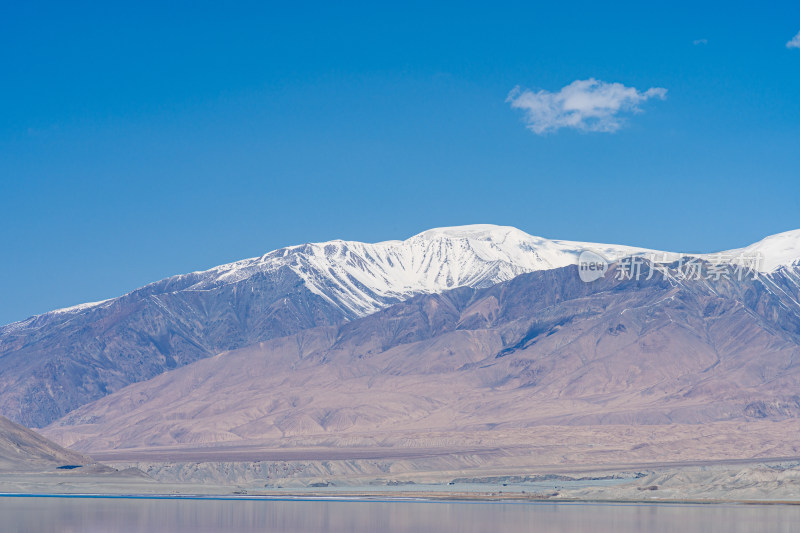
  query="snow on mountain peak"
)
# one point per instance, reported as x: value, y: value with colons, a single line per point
x: 473, y: 231
x: 361, y: 278
x: 775, y: 251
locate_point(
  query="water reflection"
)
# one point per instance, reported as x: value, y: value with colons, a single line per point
x: 155, y: 516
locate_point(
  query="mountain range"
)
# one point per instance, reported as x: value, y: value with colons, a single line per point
x: 52, y: 363
x: 451, y: 327
x: 541, y: 349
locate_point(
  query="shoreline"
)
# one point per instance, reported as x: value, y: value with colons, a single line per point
x: 751, y: 483
x: 410, y: 497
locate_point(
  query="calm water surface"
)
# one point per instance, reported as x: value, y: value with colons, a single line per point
x: 57, y: 514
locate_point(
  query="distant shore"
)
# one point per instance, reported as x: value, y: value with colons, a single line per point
x: 746, y: 482
x: 378, y: 496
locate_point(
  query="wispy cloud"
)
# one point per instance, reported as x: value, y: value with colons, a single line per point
x: 700, y: 41
x: 794, y: 43
x: 587, y: 105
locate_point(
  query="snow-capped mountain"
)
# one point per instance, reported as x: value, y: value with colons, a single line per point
x: 541, y: 349
x: 54, y: 362
x: 361, y: 278
x: 775, y: 251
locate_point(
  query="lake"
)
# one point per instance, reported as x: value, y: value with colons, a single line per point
x: 90, y: 514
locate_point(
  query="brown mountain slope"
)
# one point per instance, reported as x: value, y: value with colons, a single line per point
x: 542, y: 349
x: 23, y: 450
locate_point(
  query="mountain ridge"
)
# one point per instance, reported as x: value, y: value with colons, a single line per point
x: 781, y: 249
x: 52, y: 363
x: 541, y: 349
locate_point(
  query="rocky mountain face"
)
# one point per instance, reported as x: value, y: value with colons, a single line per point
x: 55, y: 362
x: 541, y: 349
x: 52, y: 363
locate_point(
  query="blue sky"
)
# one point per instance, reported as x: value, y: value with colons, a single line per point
x: 141, y: 141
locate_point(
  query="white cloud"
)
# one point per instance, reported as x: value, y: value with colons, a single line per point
x: 794, y: 43
x: 587, y: 105
x: 700, y: 41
